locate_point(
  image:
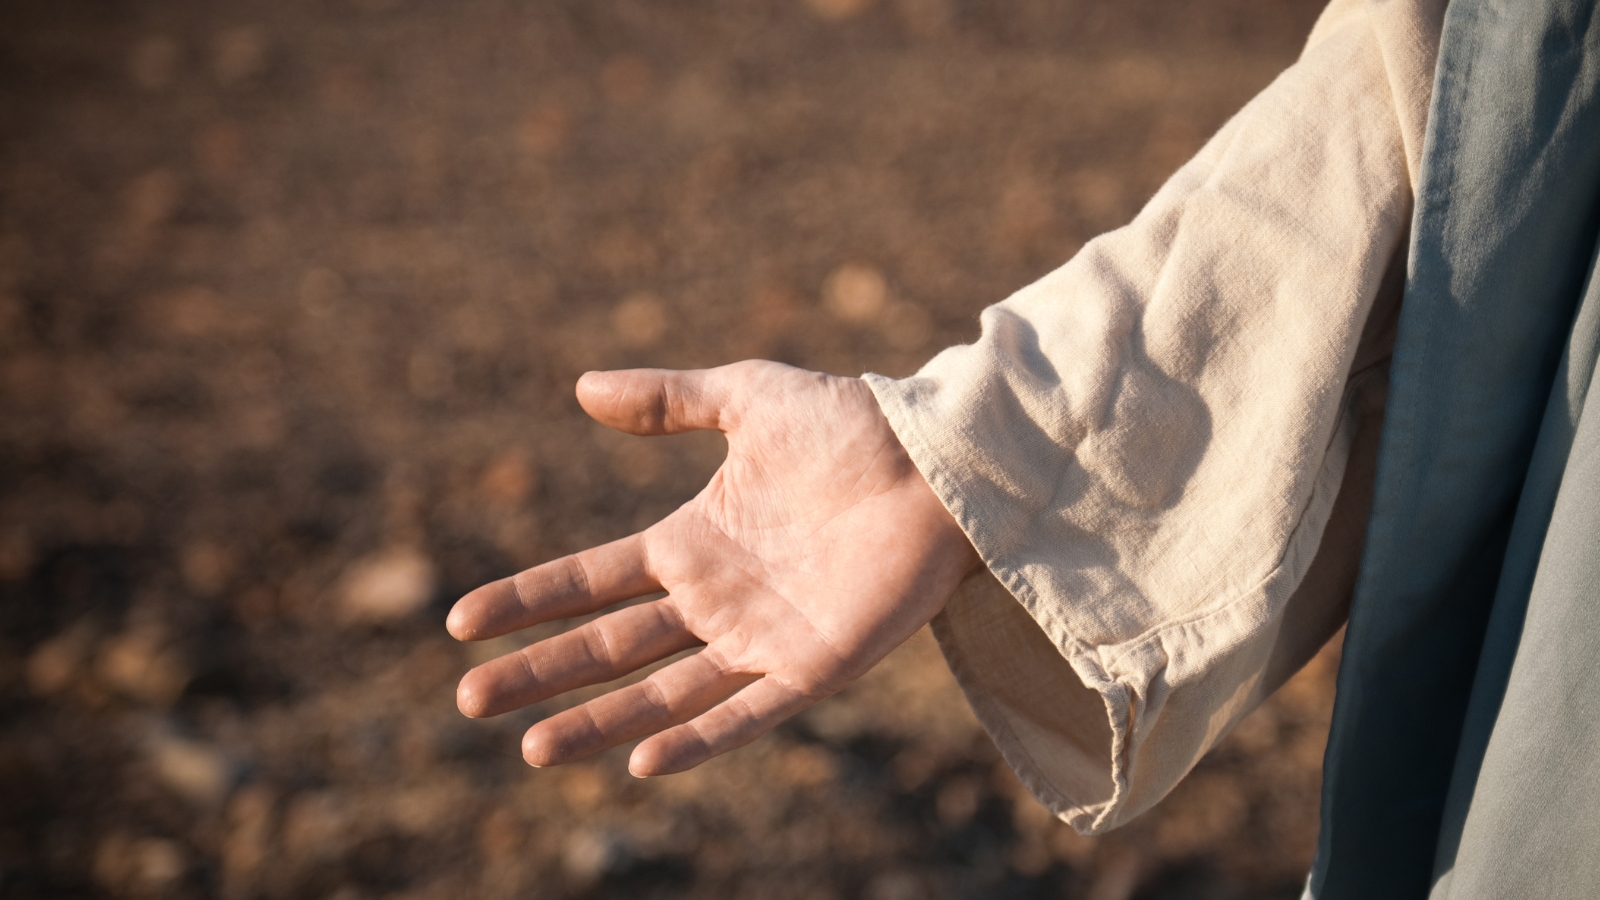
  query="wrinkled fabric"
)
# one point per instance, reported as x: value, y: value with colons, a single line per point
x: 1164, y: 450
x: 1463, y: 756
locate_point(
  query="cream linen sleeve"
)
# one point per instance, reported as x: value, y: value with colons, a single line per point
x: 1163, y: 450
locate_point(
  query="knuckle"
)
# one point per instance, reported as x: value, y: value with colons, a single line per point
x: 655, y: 407
x: 701, y: 745
x: 597, y: 645
x: 809, y: 688
x: 528, y: 671
x: 742, y: 712
x: 579, y: 581
x: 654, y: 696
x: 520, y: 591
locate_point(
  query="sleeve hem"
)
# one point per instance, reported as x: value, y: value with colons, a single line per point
x: 1131, y: 705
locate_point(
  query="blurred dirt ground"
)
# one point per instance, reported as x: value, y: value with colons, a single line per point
x: 292, y: 298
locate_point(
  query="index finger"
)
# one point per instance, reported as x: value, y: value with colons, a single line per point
x: 570, y: 586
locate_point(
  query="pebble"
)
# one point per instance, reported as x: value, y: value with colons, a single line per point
x: 806, y: 765
x: 895, y: 885
x: 640, y: 320
x: 957, y: 800
x: 151, y: 199
x: 501, y: 835
x: 206, y: 567
x: 246, y: 847
x: 583, y: 788
x: 856, y: 293
x: 317, y: 825
x: 200, y: 772
x: 192, y: 312
x: 926, y: 18
x: 221, y: 148
x: 508, y: 479
x: 56, y: 663
x: 388, y: 586
x: 840, y: 720
x: 238, y: 54
x: 1116, y: 875
x: 142, y: 664
x: 589, y: 855
x: 155, y: 62
x: 627, y: 80
x: 837, y: 10
x: 545, y: 131
x: 147, y: 866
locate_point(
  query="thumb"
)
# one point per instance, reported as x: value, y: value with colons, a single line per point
x: 653, y: 401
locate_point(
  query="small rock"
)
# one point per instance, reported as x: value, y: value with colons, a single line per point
x: 840, y: 720
x: 501, y: 835
x: 417, y: 810
x: 387, y: 586
x: 508, y: 479
x: 246, y: 846
x: 856, y: 293
x: 221, y: 149
x: 545, y: 130
x: 239, y: 54
x: 56, y: 663
x: 957, y: 800
x: 913, y: 767
x: 317, y: 825
x: 139, y: 867
x: 151, y: 199
x: 623, y: 250
x: 925, y: 18
x: 155, y: 62
x: 1074, y: 849
x: 627, y: 80
x: 144, y: 665
x: 806, y: 765
x: 837, y: 10
x: 774, y: 311
x: 199, y: 772
x: 1030, y: 857
x: 640, y: 320
x: 895, y: 885
x: 1116, y: 875
x: 206, y: 567
x: 583, y: 788
x: 589, y: 855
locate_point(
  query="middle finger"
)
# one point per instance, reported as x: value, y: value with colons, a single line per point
x: 602, y: 650
x: 668, y: 697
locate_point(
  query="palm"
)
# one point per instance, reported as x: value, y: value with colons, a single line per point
x: 814, y: 551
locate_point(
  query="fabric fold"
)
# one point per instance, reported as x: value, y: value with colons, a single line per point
x: 1149, y: 447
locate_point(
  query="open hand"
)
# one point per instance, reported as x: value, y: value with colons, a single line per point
x: 815, y: 550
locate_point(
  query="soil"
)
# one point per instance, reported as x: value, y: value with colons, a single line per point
x: 292, y: 300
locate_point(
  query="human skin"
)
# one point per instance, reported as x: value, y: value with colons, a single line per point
x: 815, y: 549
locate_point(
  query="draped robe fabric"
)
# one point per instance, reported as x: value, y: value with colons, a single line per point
x: 1166, y: 452
x: 1163, y: 450
x: 1464, y: 757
